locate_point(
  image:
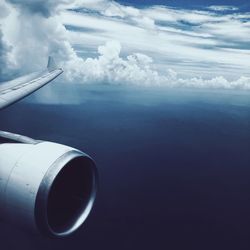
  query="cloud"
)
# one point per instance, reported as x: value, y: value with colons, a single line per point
x: 33, y: 36
x: 5, y: 48
x: 4, y: 62
x: 138, y: 69
x: 193, y: 42
x: 43, y: 7
x: 222, y: 8
x: 4, y: 11
x: 108, y: 42
x: 110, y: 67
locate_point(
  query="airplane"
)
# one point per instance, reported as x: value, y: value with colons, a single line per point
x: 45, y: 187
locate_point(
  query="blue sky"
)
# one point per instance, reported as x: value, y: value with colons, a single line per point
x: 186, y: 3
x: 175, y: 43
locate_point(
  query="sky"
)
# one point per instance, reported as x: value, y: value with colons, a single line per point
x: 197, y: 44
x: 188, y: 4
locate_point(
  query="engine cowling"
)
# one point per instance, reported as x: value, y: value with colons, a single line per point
x: 46, y: 187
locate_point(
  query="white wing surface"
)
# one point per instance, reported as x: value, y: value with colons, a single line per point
x: 17, y: 89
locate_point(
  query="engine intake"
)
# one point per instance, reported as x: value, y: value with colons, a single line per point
x: 46, y: 187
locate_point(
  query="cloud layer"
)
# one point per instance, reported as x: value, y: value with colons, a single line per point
x: 4, y: 49
x: 103, y: 41
x: 222, y: 8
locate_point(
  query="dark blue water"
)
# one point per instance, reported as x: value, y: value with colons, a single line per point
x: 174, y: 165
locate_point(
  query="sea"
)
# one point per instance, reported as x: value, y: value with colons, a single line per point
x: 173, y: 164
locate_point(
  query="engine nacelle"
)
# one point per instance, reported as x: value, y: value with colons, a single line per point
x: 46, y: 187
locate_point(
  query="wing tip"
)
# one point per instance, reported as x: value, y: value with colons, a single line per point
x: 51, y: 64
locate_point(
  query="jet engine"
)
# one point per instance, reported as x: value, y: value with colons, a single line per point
x: 45, y: 187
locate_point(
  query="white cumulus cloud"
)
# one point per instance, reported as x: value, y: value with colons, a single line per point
x: 123, y: 44
x: 109, y: 67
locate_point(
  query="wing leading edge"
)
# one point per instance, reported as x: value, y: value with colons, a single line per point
x: 15, y: 90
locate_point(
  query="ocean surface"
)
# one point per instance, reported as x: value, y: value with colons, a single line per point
x: 174, y: 164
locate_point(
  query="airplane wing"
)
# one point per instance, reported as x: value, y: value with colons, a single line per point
x: 39, y: 179
x: 15, y: 90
